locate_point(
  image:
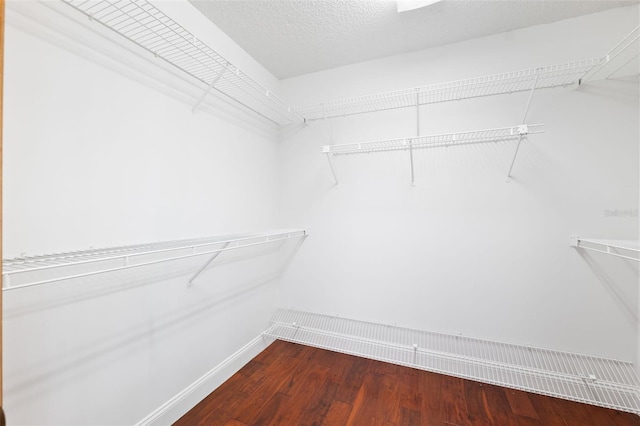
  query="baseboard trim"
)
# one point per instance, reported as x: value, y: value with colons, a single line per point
x: 185, y: 400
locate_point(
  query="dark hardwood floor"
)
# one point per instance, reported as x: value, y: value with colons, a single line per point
x: 289, y: 384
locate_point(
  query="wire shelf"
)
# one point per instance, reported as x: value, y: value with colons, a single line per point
x: 626, y: 249
x: 79, y: 264
x: 148, y: 27
x: 433, y: 141
x: 621, y: 61
x: 592, y: 380
x: 511, y: 82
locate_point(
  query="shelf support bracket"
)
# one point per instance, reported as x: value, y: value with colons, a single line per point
x: 213, y: 83
x: 327, y: 149
x: 413, y: 180
x: 207, y: 263
x: 522, y: 133
x: 413, y: 175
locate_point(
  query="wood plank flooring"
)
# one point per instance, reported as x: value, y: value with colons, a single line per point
x: 290, y: 384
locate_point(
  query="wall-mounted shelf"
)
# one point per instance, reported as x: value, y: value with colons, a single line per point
x: 626, y: 249
x: 37, y: 270
x: 621, y: 61
x: 502, y: 134
x: 588, y: 379
x: 496, y: 84
x: 614, y: 64
x: 148, y: 27
x: 433, y: 141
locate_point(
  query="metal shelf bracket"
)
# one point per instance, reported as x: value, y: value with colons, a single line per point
x: 523, y: 129
x: 207, y: 263
x: 333, y: 171
x: 413, y: 176
x: 213, y: 83
x: 327, y: 149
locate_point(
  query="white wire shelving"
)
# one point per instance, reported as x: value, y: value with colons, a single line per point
x: 614, y: 64
x: 434, y: 141
x: 621, y: 61
x: 496, y: 84
x: 626, y: 249
x: 20, y: 272
x: 148, y: 27
x: 588, y: 379
x: 503, y: 134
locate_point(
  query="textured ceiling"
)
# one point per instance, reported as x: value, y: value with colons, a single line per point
x: 294, y: 37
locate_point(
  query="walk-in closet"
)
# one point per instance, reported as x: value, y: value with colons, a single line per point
x: 337, y: 212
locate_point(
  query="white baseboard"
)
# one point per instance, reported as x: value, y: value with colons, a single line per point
x: 181, y: 403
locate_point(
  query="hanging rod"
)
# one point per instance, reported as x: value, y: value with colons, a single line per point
x: 148, y: 27
x: 126, y: 254
x: 496, y: 84
x: 433, y: 141
x: 630, y: 248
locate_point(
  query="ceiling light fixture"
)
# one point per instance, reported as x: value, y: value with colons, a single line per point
x: 406, y: 5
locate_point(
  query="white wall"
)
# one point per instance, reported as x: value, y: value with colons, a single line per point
x: 100, y: 149
x: 462, y: 251
x: 150, y: 168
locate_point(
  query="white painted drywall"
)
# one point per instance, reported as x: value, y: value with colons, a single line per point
x: 100, y: 149
x: 90, y: 147
x: 462, y: 251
